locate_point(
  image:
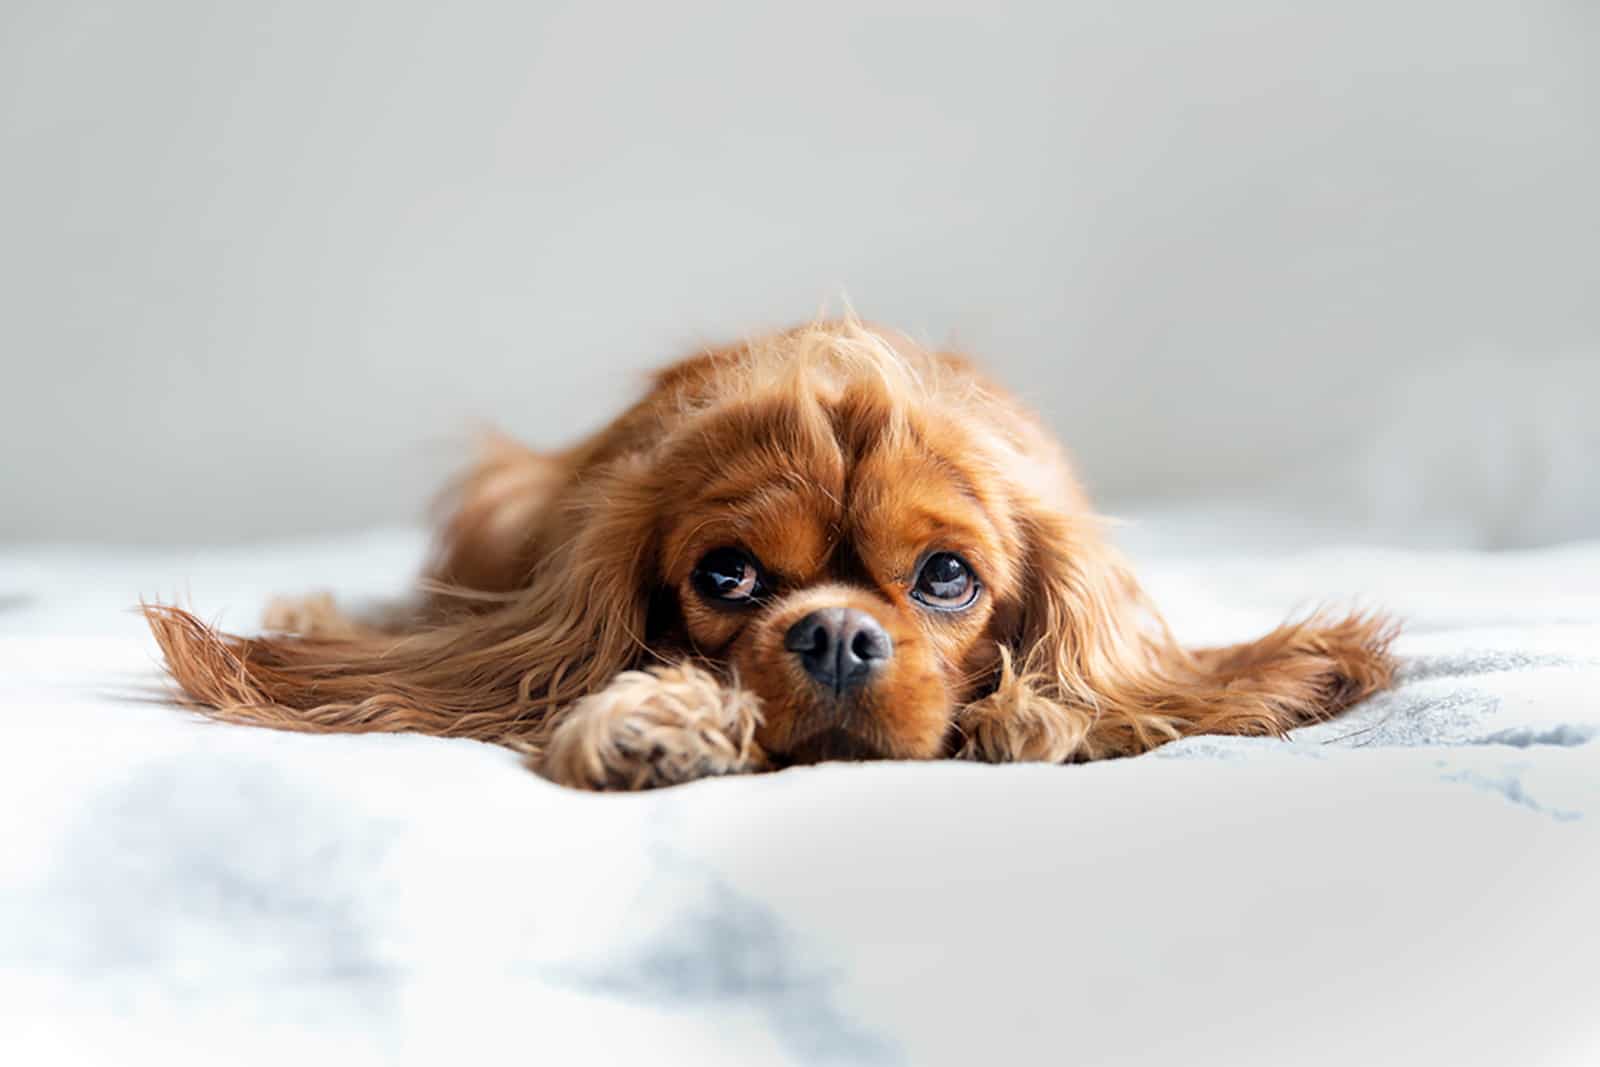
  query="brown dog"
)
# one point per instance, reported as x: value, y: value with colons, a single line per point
x: 827, y: 543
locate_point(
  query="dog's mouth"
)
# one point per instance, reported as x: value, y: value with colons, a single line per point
x: 833, y: 744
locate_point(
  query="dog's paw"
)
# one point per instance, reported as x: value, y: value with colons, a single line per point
x: 312, y: 615
x: 654, y: 728
x: 1013, y: 725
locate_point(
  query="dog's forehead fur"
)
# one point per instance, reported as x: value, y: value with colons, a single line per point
x: 831, y: 444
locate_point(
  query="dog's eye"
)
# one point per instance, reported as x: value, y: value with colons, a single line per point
x: 945, y: 583
x: 728, y: 575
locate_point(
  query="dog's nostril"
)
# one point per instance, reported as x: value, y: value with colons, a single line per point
x: 839, y: 647
x: 809, y: 636
x: 818, y: 641
x: 868, y: 645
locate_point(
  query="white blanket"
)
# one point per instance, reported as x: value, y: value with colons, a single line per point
x: 1416, y: 882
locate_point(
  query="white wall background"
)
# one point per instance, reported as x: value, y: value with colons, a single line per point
x: 260, y: 263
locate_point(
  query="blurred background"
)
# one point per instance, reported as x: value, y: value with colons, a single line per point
x: 265, y: 264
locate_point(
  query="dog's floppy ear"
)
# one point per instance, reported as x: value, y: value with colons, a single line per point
x: 1092, y: 670
x: 492, y: 673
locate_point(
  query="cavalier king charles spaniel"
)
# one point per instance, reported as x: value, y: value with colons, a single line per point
x: 828, y: 543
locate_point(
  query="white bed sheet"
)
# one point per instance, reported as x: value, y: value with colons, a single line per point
x: 1417, y: 882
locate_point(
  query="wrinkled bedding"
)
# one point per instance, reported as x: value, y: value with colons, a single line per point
x: 1415, y: 882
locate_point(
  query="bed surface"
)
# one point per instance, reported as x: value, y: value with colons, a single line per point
x: 1415, y: 882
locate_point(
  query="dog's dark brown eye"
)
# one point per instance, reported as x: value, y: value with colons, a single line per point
x: 728, y: 575
x: 945, y: 583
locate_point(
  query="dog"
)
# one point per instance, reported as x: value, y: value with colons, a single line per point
x: 825, y: 543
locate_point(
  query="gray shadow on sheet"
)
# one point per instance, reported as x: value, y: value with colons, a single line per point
x: 726, y: 950
x: 217, y: 887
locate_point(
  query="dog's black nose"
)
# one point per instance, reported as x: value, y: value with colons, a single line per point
x: 839, y: 647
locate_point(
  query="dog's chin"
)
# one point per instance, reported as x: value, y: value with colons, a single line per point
x: 833, y: 744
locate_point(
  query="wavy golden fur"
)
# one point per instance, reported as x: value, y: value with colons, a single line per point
x: 734, y: 575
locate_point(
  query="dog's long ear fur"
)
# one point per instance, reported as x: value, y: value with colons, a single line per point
x: 1097, y: 668
x: 493, y: 673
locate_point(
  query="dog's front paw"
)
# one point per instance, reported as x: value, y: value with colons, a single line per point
x: 653, y: 728
x: 312, y: 615
x: 1013, y: 725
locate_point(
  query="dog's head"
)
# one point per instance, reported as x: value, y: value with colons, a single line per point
x: 835, y: 528
x: 847, y: 525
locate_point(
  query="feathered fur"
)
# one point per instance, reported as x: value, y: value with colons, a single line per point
x: 561, y: 613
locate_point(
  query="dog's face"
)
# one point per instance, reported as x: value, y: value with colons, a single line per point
x: 848, y: 571
x: 838, y: 532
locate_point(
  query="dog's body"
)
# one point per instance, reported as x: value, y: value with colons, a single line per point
x: 828, y: 543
